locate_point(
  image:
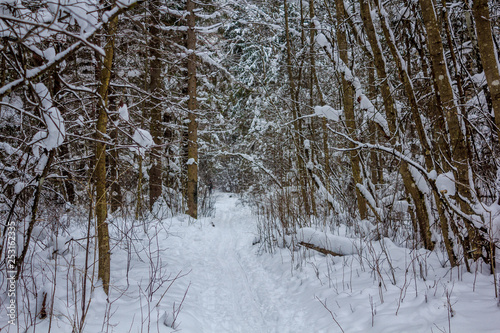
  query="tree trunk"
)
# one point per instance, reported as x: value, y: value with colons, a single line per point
x: 348, y: 101
x: 154, y: 104
x: 297, y: 123
x: 443, y: 84
x: 34, y: 213
x: 192, y: 149
x: 404, y: 76
x: 418, y: 197
x: 115, y: 197
x: 100, y: 167
x: 486, y: 47
x: 376, y: 172
x: 458, y: 141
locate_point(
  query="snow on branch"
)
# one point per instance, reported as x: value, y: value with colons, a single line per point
x: 56, y: 59
x: 440, y: 184
x: 51, y: 27
x: 143, y: 140
x: 370, y: 201
x: 328, y: 112
x: 257, y: 164
x: 205, y: 57
x: 363, y: 100
x: 208, y: 30
x: 392, y: 151
x: 55, y: 133
x: 174, y: 12
x: 326, y: 194
x: 204, y: 30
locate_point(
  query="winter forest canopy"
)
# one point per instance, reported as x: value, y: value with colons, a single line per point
x: 379, y: 118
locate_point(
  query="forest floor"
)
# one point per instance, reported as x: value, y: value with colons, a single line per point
x: 234, y: 287
x: 211, y: 276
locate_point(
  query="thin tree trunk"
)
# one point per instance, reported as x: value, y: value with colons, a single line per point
x: 312, y: 76
x: 489, y: 61
x: 34, y: 213
x: 138, y: 204
x: 348, y: 101
x: 100, y: 168
x: 374, y: 158
x: 192, y: 149
x: 297, y: 123
x: 154, y: 104
x: 115, y: 198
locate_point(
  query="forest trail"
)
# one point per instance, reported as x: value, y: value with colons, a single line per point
x: 230, y: 289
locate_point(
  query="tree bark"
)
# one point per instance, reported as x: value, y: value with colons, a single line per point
x: 418, y: 197
x: 100, y: 167
x: 297, y: 123
x: 489, y: 61
x: 154, y: 104
x: 457, y: 140
x: 192, y: 149
x: 348, y: 101
x: 447, y: 100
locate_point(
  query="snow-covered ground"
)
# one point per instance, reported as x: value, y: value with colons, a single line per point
x: 227, y: 284
x: 235, y: 288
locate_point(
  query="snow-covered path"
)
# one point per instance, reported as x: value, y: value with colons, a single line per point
x: 225, y: 285
x: 230, y: 289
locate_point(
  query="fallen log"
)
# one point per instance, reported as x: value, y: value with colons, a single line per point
x: 320, y: 249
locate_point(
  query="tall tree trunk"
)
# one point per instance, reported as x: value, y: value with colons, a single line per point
x: 154, y: 104
x: 447, y: 100
x: 404, y: 76
x: 192, y: 149
x: 457, y: 143
x: 348, y: 101
x: 297, y: 123
x: 418, y: 197
x: 489, y: 61
x: 315, y: 83
x: 100, y: 167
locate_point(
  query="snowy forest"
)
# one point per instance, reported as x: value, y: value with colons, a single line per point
x: 249, y: 166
